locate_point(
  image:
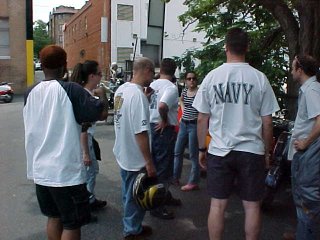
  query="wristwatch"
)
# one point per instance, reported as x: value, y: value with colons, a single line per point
x: 202, y: 149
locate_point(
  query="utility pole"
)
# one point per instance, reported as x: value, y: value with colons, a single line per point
x: 104, y: 41
x: 29, y: 43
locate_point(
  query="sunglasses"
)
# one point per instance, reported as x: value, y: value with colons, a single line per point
x: 192, y: 78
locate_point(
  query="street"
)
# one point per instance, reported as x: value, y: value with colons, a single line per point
x: 21, y: 219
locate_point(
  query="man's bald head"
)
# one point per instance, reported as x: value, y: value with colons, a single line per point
x: 142, y: 64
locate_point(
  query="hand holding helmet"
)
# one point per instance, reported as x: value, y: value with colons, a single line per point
x: 148, y: 193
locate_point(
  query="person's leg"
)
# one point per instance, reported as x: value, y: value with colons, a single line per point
x: 92, y: 170
x: 220, y: 183
x: 54, y: 228
x: 216, y: 218
x: 307, y: 228
x: 74, y: 234
x: 252, y: 219
x: 194, y: 154
x: 133, y: 215
x: 250, y: 186
x: 179, y: 150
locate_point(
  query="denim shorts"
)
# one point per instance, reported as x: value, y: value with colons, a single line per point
x: 70, y: 204
x: 240, y: 172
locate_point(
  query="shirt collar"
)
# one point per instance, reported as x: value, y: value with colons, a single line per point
x: 307, y: 83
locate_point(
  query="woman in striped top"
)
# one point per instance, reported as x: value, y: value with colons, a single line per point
x: 187, y: 134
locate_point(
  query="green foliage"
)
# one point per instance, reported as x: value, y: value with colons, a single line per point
x: 267, y: 51
x: 40, y: 36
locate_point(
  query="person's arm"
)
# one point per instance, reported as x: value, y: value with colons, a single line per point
x: 143, y: 143
x: 163, y: 111
x: 85, y: 148
x: 101, y: 93
x: 182, y: 103
x: 302, y: 144
x: 202, y: 130
x: 267, y: 136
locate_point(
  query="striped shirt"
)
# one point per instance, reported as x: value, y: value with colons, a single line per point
x: 189, y: 113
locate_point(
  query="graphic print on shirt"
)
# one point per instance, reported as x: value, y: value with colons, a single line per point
x: 232, y: 92
x: 153, y: 100
x: 118, y: 101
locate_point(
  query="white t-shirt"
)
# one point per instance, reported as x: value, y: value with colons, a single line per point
x: 166, y: 92
x: 308, y: 109
x: 52, y: 115
x: 236, y: 96
x: 131, y: 116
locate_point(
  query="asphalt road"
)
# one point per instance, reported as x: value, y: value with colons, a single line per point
x: 20, y: 218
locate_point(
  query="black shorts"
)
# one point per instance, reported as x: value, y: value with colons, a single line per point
x: 241, y: 172
x: 70, y: 204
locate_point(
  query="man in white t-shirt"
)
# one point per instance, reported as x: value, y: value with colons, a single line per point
x: 131, y: 148
x: 163, y: 119
x: 235, y: 103
x: 304, y: 149
x: 53, y: 113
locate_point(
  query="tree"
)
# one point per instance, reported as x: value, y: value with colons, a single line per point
x: 40, y: 36
x: 280, y: 30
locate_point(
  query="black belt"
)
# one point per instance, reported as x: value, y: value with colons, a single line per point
x: 189, y: 121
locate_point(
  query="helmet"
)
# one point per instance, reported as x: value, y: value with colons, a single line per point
x: 148, y: 193
x: 114, y: 65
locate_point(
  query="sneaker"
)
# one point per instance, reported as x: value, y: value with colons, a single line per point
x: 97, y: 204
x: 190, y: 187
x: 146, y: 232
x: 162, y: 213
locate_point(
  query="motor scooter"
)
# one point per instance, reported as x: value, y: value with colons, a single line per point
x: 6, y: 92
x: 280, y: 168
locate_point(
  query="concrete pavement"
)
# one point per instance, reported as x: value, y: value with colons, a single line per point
x: 20, y: 218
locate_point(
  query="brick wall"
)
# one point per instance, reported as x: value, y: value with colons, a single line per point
x: 82, y: 35
x: 14, y: 69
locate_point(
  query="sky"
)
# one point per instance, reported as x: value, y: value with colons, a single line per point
x: 42, y: 8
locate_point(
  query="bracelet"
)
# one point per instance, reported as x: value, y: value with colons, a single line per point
x: 202, y: 149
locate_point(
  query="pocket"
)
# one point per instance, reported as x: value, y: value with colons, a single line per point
x: 82, y: 207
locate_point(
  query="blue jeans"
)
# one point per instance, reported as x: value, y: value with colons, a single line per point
x: 187, y: 133
x: 92, y: 170
x: 308, y: 228
x: 133, y: 215
x: 163, y: 152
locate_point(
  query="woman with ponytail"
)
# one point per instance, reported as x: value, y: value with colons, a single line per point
x: 88, y: 75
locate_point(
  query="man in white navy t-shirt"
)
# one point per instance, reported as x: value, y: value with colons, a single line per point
x: 235, y: 102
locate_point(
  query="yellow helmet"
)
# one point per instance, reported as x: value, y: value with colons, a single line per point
x: 148, y: 193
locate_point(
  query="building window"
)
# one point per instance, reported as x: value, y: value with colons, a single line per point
x: 60, y: 27
x: 125, y: 12
x: 60, y: 39
x: 4, y: 38
x: 123, y: 54
x: 86, y: 23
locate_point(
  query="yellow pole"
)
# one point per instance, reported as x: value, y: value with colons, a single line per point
x: 30, y: 64
x: 29, y: 43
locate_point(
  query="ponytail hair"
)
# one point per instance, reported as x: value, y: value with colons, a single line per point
x: 81, y: 71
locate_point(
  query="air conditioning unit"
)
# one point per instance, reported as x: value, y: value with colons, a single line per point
x: 136, y: 57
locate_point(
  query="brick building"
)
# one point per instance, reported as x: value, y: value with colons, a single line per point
x: 13, y: 43
x: 86, y: 35
x: 57, y: 19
